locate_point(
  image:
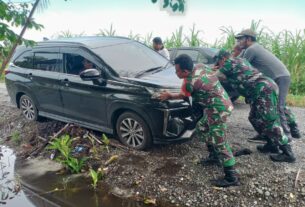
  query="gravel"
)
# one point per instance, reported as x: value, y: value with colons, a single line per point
x: 170, y: 173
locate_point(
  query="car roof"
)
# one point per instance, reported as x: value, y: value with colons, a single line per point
x: 89, y: 41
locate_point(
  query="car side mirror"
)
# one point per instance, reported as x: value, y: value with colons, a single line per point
x: 90, y: 74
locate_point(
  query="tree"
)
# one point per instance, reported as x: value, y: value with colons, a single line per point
x: 16, y: 15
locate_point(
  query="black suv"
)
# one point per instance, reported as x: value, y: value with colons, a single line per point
x: 206, y: 56
x: 116, y: 95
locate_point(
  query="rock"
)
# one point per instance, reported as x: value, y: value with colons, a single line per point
x: 267, y: 193
x: 260, y: 191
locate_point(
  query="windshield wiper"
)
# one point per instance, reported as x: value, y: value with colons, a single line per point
x: 139, y: 74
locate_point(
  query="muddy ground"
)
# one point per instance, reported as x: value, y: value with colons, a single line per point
x: 171, y: 173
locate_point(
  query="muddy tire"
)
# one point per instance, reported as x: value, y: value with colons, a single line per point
x: 28, y: 108
x: 133, y: 131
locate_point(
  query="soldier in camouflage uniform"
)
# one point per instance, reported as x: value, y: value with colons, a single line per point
x: 202, y: 84
x: 261, y: 93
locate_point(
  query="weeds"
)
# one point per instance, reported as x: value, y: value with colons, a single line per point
x: 96, y: 176
x: 63, y: 145
x: 16, y: 138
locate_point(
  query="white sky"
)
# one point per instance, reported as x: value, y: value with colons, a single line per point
x: 144, y: 21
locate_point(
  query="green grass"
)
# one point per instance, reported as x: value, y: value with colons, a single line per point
x: 295, y: 100
x: 291, y: 100
x: 16, y: 139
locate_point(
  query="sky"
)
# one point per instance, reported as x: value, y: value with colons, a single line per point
x: 143, y: 17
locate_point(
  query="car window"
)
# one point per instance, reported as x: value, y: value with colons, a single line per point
x: 47, y: 61
x: 192, y: 53
x: 128, y: 59
x: 75, y: 63
x: 202, y: 59
x: 25, y: 60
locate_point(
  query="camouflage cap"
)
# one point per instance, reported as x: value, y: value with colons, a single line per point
x: 220, y: 54
x: 246, y: 32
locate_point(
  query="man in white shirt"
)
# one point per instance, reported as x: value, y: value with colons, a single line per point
x: 159, y: 47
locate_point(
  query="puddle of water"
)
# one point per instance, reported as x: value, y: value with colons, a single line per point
x: 39, y: 180
x: 11, y: 195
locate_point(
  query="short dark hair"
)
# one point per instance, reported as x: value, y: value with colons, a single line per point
x: 157, y: 40
x: 185, y: 62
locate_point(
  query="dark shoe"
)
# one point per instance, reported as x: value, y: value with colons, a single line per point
x: 286, y: 156
x: 212, y: 159
x: 268, y: 148
x: 231, y: 178
x: 258, y: 139
x: 241, y: 152
x: 294, y: 131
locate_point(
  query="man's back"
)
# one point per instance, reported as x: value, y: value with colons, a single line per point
x: 265, y: 61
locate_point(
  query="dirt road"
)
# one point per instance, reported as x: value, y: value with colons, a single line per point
x: 170, y: 172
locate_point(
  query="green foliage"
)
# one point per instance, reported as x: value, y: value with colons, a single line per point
x: 96, y: 176
x: 107, y: 32
x: 16, y: 138
x: 176, y: 40
x: 14, y: 15
x: 69, y: 34
x: 174, y: 5
x: 63, y: 145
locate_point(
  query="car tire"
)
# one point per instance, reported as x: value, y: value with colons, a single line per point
x: 28, y: 108
x: 133, y: 131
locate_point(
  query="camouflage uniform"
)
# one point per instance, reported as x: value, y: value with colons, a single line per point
x: 290, y: 117
x: 206, y: 90
x: 261, y: 92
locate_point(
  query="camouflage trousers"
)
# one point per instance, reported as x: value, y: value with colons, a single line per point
x: 211, y: 129
x: 264, y: 115
x: 290, y: 117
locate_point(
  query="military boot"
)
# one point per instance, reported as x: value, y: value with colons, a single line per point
x: 212, y: 159
x: 231, y: 178
x: 286, y: 156
x: 294, y: 131
x: 269, y: 147
x: 258, y: 139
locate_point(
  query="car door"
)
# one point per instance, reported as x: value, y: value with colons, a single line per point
x: 45, y: 79
x: 83, y: 101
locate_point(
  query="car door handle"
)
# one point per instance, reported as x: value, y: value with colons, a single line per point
x: 65, y: 81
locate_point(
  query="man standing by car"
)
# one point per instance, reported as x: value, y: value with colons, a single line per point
x: 272, y: 67
x: 206, y: 91
x: 159, y: 47
x: 261, y: 93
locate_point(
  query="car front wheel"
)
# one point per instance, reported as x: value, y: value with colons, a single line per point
x: 28, y: 108
x: 133, y: 131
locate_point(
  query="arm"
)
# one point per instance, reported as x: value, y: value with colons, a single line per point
x: 167, y: 95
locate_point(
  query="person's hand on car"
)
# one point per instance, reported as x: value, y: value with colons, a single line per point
x: 164, y: 95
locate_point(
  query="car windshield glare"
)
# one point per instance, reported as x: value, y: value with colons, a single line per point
x: 131, y: 58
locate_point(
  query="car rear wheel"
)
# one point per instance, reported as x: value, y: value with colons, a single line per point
x: 133, y: 131
x: 28, y: 108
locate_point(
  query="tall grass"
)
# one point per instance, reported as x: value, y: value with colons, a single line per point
x: 289, y: 47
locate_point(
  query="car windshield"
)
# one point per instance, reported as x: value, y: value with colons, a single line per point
x: 131, y: 58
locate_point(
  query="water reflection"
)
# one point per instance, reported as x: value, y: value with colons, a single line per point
x: 10, y: 187
x: 42, y: 187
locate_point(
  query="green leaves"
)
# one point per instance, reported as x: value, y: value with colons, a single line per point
x: 96, y: 176
x: 174, y: 5
x: 14, y: 15
x: 63, y: 145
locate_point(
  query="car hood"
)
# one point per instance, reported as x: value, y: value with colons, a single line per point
x: 165, y: 78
